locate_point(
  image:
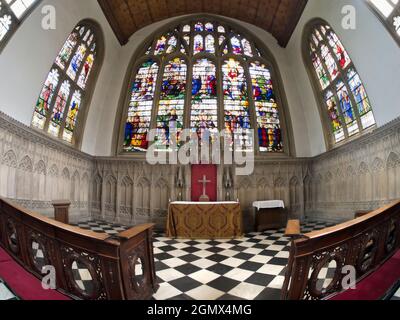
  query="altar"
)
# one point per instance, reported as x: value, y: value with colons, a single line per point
x: 204, y: 220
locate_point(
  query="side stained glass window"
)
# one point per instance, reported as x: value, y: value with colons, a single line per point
x: 12, y: 13
x: 344, y: 97
x: 140, y: 107
x: 229, y: 88
x: 389, y: 13
x: 267, y: 111
x: 61, y: 100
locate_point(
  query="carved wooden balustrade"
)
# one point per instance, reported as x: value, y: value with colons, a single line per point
x: 87, y: 265
x: 364, y: 243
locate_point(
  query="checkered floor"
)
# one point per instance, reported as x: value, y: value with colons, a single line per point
x: 396, y: 296
x: 250, y: 268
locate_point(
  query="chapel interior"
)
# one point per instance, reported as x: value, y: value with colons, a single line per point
x: 298, y: 100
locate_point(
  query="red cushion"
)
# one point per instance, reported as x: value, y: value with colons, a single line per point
x: 376, y: 285
x: 4, y: 257
x: 25, y: 285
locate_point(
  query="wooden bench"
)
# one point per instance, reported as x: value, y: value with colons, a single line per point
x: 120, y: 267
x: 364, y: 244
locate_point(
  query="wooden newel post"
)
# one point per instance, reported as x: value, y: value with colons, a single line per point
x: 61, y: 210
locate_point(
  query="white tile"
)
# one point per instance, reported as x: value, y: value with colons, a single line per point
x: 174, y: 262
x: 247, y: 244
x: 166, y: 291
x: 253, y: 251
x: 233, y: 262
x: 202, y: 246
x: 204, y: 276
x: 275, y: 248
x: 169, y: 275
x: 261, y: 259
x: 204, y: 263
x: 181, y: 245
x: 239, y: 274
x: 267, y: 242
x: 203, y: 254
x: 228, y: 253
x: 177, y: 253
x: 271, y: 269
x: 246, y: 291
x: 283, y: 255
x: 225, y: 246
x: 277, y: 283
x: 205, y: 293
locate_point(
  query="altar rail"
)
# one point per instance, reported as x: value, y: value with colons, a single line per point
x: 87, y: 265
x: 364, y: 243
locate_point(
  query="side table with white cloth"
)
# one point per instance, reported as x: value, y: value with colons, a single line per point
x: 270, y: 215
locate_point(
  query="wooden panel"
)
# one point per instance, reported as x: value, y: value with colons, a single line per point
x: 278, y: 17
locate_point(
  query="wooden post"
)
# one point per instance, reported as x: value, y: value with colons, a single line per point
x: 61, y: 210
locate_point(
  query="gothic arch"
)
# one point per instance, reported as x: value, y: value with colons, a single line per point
x: 148, y: 56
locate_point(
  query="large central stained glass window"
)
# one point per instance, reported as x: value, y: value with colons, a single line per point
x: 207, y: 77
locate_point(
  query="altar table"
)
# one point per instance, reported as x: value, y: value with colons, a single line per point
x: 204, y: 220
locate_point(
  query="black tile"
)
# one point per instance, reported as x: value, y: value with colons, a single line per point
x: 228, y: 297
x: 161, y: 266
x: 269, y: 294
x: 217, y: 258
x: 167, y: 248
x: 279, y: 261
x: 239, y: 248
x: 189, y: 258
x: 220, y: 269
x: 188, y: 269
x: 163, y: 256
x: 185, y: 284
x: 215, y: 250
x: 191, y: 250
x: 251, y: 266
x: 260, y: 279
x: 268, y: 253
x: 244, y: 256
x: 182, y: 297
x: 223, y: 284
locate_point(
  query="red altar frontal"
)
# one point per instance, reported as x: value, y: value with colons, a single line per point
x: 204, y: 182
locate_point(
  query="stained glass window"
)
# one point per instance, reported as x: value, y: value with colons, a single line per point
x: 172, y: 104
x: 60, y: 101
x: 236, y: 104
x: 267, y: 111
x: 160, y: 87
x: 140, y: 107
x: 344, y: 96
x: 198, y: 44
x: 12, y: 12
x: 389, y: 12
x: 204, y: 111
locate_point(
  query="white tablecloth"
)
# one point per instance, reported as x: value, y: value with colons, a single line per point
x: 274, y: 204
x: 193, y: 202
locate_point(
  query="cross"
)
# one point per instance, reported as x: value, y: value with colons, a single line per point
x: 204, y: 182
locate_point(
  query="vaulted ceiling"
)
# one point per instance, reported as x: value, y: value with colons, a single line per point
x: 279, y: 17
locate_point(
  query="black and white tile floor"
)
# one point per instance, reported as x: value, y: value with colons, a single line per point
x: 250, y: 268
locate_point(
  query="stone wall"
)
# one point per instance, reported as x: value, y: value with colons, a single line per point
x: 34, y: 170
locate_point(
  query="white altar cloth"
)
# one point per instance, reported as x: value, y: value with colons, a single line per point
x: 274, y: 204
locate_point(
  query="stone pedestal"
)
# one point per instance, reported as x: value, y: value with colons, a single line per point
x: 61, y: 210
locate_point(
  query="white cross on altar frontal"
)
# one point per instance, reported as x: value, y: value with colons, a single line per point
x: 204, y: 197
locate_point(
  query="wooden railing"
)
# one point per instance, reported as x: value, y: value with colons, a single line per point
x: 363, y: 244
x: 87, y: 265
